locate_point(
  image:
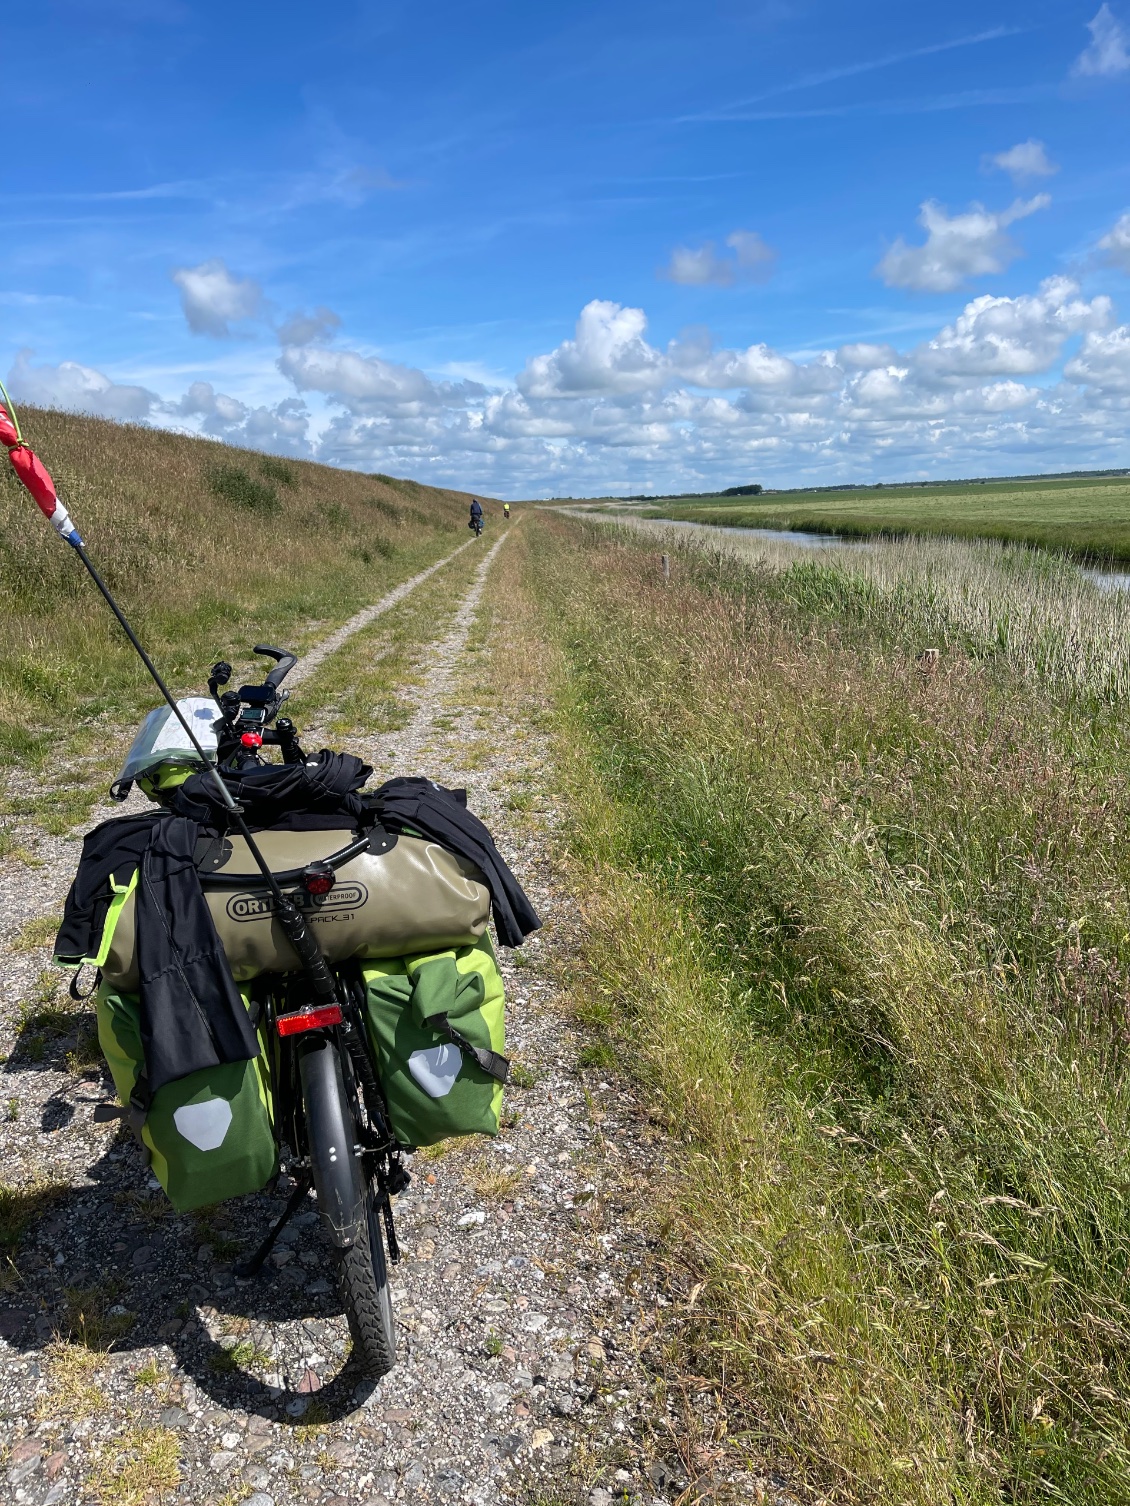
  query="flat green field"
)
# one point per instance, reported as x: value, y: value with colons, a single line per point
x: 1088, y: 517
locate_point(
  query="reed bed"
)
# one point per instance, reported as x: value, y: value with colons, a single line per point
x: 1042, y: 613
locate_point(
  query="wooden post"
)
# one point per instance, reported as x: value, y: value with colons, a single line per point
x: 928, y: 663
x: 666, y: 558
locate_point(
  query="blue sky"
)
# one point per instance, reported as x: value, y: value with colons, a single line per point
x: 565, y: 250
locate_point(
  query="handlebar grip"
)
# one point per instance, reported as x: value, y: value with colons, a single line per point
x: 285, y: 663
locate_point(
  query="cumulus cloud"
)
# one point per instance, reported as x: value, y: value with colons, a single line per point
x: 212, y: 298
x: 704, y: 266
x: 367, y: 384
x: 80, y: 389
x: 282, y: 428
x: 203, y: 401
x: 1027, y: 159
x: 973, y: 244
x: 965, y: 399
x: 1115, y: 244
x: 309, y: 329
x: 1109, y: 51
x: 1103, y: 362
x: 866, y: 357
x: 608, y: 353
x: 606, y: 403
x: 1012, y: 336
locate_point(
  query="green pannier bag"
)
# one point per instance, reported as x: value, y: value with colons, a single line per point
x: 436, y: 1024
x: 210, y: 1135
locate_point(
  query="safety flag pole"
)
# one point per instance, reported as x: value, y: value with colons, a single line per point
x: 37, y: 479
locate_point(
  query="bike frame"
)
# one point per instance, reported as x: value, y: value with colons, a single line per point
x: 376, y: 1151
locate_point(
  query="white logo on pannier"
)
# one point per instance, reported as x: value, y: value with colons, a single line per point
x: 436, y: 1069
x: 256, y: 906
x: 204, y: 1124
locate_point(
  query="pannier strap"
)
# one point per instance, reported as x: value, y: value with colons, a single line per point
x: 137, y: 1109
x: 256, y: 880
x: 491, y: 1062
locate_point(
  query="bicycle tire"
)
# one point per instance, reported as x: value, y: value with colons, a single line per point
x: 362, y: 1278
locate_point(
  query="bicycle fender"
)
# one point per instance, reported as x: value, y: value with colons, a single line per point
x: 331, y: 1134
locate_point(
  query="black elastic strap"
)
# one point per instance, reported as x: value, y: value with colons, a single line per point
x: 73, y: 988
x: 491, y: 1062
x: 137, y: 1109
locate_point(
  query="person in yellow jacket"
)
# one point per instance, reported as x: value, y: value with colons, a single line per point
x: 506, y: 509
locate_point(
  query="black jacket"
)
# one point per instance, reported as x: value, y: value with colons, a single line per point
x: 442, y: 814
x: 192, y: 1014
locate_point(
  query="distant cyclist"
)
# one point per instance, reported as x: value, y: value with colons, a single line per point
x: 476, y: 516
x: 506, y: 509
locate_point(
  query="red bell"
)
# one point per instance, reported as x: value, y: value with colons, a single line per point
x: 252, y: 739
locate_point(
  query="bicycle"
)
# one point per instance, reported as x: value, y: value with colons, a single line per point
x: 327, y: 1093
x: 331, y: 1122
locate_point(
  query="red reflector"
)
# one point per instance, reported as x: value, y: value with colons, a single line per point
x: 309, y: 1019
x: 252, y: 740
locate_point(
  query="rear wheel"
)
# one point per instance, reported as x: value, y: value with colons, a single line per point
x: 362, y: 1275
x: 347, y: 1201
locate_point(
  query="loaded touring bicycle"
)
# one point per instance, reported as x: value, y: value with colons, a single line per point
x: 293, y: 972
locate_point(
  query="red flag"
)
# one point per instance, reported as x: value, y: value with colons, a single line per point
x: 36, y: 477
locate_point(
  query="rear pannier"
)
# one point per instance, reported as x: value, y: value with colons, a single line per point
x: 210, y: 1135
x: 436, y: 1023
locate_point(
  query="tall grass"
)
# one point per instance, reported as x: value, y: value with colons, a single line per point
x: 210, y: 551
x: 867, y: 935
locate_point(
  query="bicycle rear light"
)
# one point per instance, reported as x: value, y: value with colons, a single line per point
x: 309, y: 1019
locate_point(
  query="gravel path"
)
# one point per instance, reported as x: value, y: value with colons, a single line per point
x: 311, y: 660
x: 527, y: 1299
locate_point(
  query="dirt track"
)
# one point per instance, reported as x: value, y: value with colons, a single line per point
x: 524, y: 1299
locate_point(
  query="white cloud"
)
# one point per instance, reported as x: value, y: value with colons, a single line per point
x: 1011, y: 336
x: 202, y: 400
x: 367, y: 384
x: 866, y: 357
x: 973, y: 244
x: 608, y: 402
x: 1103, y: 362
x: 1115, y: 244
x: 212, y: 298
x: 1109, y: 51
x: 607, y: 354
x: 608, y: 407
x: 1027, y: 159
x: 752, y: 261
x: 80, y: 389
x: 282, y: 428
x: 307, y: 329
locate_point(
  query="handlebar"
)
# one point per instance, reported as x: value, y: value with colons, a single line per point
x: 284, y: 663
x: 247, y: 713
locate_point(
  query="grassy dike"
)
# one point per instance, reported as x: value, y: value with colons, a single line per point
x: 209, y: 549
x: 863, y: 935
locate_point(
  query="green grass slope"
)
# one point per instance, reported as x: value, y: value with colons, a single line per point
x: 1087, y: 517
x: 861, y: 927
x: 209, y: 550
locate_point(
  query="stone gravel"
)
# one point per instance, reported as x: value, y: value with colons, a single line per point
x: 530, y: 1300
